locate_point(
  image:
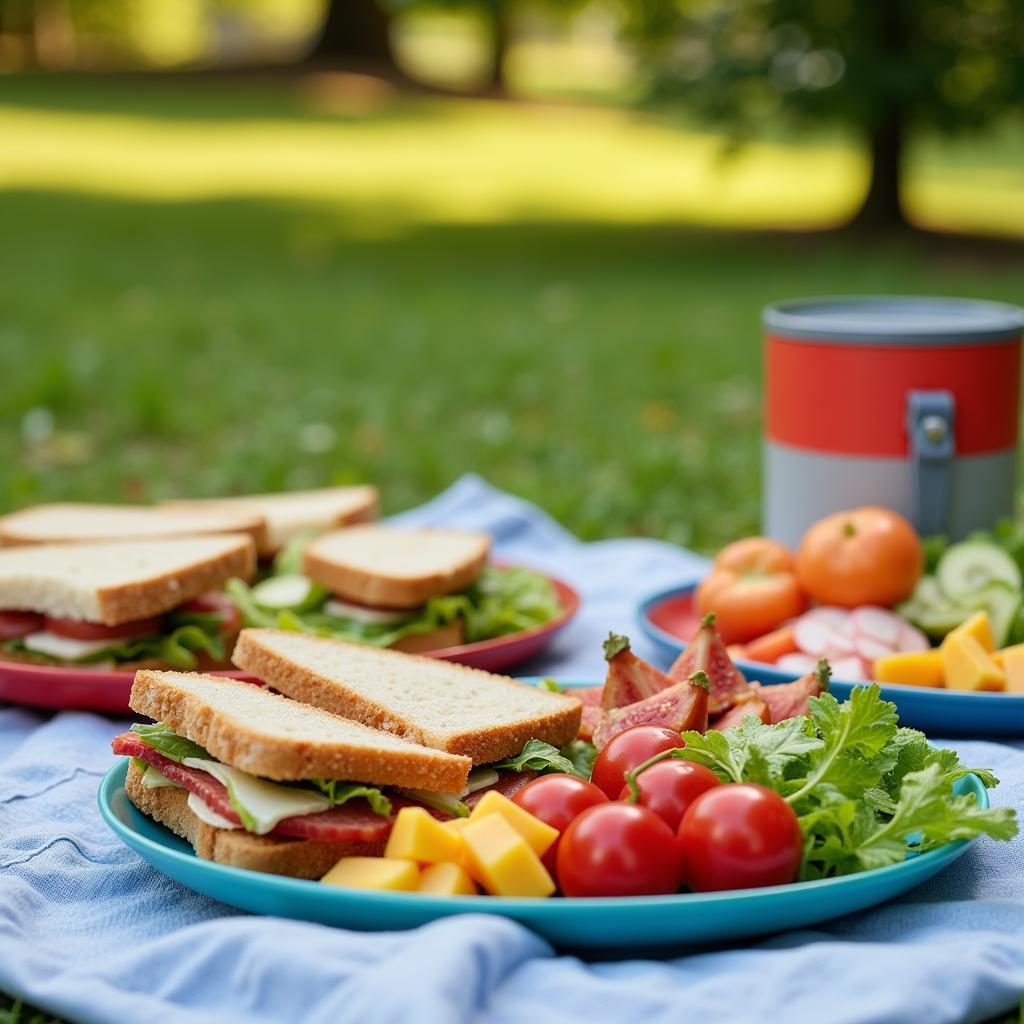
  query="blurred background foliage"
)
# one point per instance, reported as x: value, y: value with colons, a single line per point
x: 255, y: 244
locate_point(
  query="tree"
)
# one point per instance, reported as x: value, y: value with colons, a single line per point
x: 888, y: 69
x: 356, y: 32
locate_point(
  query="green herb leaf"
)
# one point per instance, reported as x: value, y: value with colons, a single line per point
x: 551, y: 685
x: 164, y: 740
x: 539, y: 757
x: 582, y: 754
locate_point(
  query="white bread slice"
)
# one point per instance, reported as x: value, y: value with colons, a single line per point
x: 299, y: 858
x: 78, y: 522
x: 293, y: 512
x: 437, y: 703
x: 115, y: 583
x: 396, y: 568
x: 266, y: 734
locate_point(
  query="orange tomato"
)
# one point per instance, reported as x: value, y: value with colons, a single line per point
x: 752, y: 589
x: 869, y: 555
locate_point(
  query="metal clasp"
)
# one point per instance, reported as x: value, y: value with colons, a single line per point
x: 931, y: 428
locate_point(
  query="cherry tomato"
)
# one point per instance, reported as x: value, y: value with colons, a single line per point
x: 557, y: 800
x: 15, y: 624
x: 76, y: 629
x: 618, y: 850
x: 625, y: 751
x: 739, y: 836
x: 218, y: 604
x: 669, y: 787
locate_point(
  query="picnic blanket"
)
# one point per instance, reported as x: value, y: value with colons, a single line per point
x: 92, y: 933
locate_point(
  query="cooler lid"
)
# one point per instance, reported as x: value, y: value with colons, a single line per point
x: 895, y: 320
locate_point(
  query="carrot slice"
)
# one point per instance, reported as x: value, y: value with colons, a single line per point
x: 772, y: 646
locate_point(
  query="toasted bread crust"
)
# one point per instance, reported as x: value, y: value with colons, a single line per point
x: 289, y: 758
x: 483, y: 745
x: 159, y: 594
x: 299, y: 858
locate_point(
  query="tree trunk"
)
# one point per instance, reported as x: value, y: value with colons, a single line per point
x: 501, y: 38
x: 356, y: 32
x: 882, y: 207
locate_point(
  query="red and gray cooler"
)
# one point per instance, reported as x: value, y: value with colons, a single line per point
x: 906, y: 402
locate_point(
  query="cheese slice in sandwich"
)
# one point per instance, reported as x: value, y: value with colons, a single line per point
x: 260, y: 781
x: 119, y: 604
x: 78, y: 522
x: 437, y: 703
x: 292, y: 514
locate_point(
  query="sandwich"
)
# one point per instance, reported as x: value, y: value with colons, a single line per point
x: 414, y: 590
x: 123, y: 605
x: 78, y: 522
x: 293, y: 515
x: 258, y: 780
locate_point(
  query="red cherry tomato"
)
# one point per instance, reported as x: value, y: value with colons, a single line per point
x: 627, y: 750
x: 15, y: 624
x: 558, y: 800
x: 76, y: 629
x: 218, y: 604
x: 739, y: 836
x: 618, y: 850
x: 669, y: 787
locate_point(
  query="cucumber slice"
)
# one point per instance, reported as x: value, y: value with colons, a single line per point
x: 931, y: 610
x: 279, y: 592
x: 929, y: 594
x: 1002, y: 605
x: 968, y: 567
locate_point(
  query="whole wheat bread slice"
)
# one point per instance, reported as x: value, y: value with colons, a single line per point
x: 396, y: 568
x: 271, y: 736
x: 299, y: 858
x: 294, y: 512
x: 77, y: 522
x: 122, y: 582
x: 437, y: 703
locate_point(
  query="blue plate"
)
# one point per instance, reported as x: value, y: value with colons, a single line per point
x: 620, y: 924
x: 668, y: 616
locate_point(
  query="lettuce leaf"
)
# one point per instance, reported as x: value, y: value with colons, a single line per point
x: 539, y: 757
x: 341, y: 792
x: 164, y: 740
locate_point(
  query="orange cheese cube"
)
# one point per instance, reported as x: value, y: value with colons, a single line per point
x: 447, y: 880
x: 1011, y: 661
x: 418, y: 836
x: 539, y: 834
x: 916, y: 668
x: 968, y: 666
x: 979, y: 627
x: 456, y: 825
x: 374, y: 873
x: 504, y: 860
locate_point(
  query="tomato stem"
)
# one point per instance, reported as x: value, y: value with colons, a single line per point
x: 634, y: 788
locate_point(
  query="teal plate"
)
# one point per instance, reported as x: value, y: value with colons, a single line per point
x: 620, y: 924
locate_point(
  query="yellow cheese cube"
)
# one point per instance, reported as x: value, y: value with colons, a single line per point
x: 1011, y: 661
x: 447, y: 880
x: 537, y: 833
x: 457, y: 825
x: 504, y: 860
x: 374, y: 873
x: 979, y: 627
x: 968, y: 666
x: 917, y: 668
x: 416, y: 835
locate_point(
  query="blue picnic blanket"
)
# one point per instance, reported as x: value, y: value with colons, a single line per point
x: 91, y: 932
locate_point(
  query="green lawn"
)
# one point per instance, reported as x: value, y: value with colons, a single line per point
x: 260, y: 288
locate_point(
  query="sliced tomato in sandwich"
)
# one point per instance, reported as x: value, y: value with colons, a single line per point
x: 16, y: 624
x: 76, y: 629
x: 216, y: 603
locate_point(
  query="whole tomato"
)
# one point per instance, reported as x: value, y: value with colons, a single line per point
x: 739, y: 836
x: 625, y: 751
x: 558, y: 800
x: 869, y: 555
x: 618, y: 850
x: 669, y: 787
x: 752, y: 589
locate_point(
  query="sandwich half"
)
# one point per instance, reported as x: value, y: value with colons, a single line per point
x: 294, y: 514
x: 123, y: 605
x: 411, y: 590
x: 256, y: 780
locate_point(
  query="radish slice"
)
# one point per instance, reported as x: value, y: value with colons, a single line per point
x: 837, y: 618
x: 840, y: 645
x: 877, y: 624
x: 869, y: 649
x: 798, y: 664
x: 824, y: 632
x: 850, y: 670
x: 912, y: 639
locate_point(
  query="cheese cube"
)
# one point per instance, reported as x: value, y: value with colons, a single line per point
x: 416, y: 835
x: 504, y: 860
x: 537, y: 833
x: 914, y: 668
x: 374, y: 873
x: 968, y: 666
x: 1011, y: 661
x: 979, y: 627
x: 447, y: 880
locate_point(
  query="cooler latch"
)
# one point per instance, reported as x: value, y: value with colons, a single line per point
x: 931, y: 427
